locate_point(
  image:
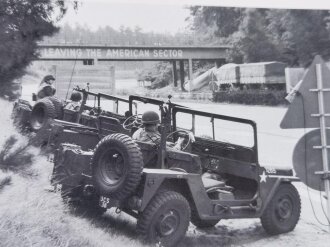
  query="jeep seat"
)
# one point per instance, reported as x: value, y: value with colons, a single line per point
x: 110, y: 125
x: 70, y: 115
x: 212, y: 183
x: 149, y: 153
x: 174, y: 158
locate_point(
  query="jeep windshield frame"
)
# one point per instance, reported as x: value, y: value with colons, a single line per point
x: 116, y: 100
x: 213, y: 116
x: 165, y: 108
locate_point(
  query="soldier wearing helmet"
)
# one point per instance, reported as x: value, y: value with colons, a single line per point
x: 149, y: 132
x: 74, y: 105
x: 46, y: 87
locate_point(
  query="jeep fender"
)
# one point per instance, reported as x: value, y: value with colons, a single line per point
x: 155, y: 180
x: 268, y: 188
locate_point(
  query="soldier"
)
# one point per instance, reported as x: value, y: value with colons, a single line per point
x: 74, y: 105
x: 46, y: 87
x: 150, y: 133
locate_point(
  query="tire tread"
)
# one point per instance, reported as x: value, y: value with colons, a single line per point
x: 267, y: 220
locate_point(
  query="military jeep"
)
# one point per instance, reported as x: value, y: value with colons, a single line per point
x: 32, y: 117
x: 216, y: 176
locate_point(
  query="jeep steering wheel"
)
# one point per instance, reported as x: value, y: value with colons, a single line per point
x: 185, y: 134
x: 94, y: 112
x: 132, y: 121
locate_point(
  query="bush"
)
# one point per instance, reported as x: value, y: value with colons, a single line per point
x: 251, y: 97
x: 160, y: 75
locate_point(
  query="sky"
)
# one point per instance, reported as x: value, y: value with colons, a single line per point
x: 150, y: 17
x: 162, y: 16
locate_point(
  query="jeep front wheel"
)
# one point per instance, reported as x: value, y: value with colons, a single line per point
x: 117, y: 166
x: 165, y: 219
x: 283, y: 211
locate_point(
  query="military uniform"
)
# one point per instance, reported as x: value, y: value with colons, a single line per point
x: 45, y: 89
x: 74, y: 106
x: 146, y: 136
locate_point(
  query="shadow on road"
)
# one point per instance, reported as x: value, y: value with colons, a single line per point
x: 224, y: 235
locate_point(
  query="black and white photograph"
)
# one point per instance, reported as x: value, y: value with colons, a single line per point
x: 152, y: 123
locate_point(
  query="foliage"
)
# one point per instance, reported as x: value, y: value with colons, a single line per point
x: 160, y: 75
x: 251, y: 43
x: 22, y: 24
x: 300, y: 34
x: 123, y: 36
x: 222, y: 21
x: 16, y: 156
x: 290, y: 36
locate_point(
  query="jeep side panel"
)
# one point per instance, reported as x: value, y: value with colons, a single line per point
x: 207, y: 209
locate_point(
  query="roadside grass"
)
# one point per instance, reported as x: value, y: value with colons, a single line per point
x: 32, y: 216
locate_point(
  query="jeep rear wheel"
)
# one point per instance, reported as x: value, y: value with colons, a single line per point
x: 41, y: 112
x: 117, y: 166
x: 165, y: 219
x: 283, y: 211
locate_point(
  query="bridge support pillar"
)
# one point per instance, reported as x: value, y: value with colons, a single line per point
x: 190, y: 68
x: 182, y: 74
x: 175, y: 76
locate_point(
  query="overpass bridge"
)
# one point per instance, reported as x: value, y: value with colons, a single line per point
x: 93, y: 54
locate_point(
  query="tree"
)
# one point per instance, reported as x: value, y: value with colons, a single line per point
x: 251, y: 43
x: 291, y: 36
x: 22, y: 24
x: 223, y: 21
x: 300, y: 34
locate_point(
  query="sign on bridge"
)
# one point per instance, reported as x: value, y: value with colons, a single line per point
x: 72, y: 52
x: 113, y: 53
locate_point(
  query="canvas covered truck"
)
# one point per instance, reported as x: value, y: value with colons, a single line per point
x: 216, y: 175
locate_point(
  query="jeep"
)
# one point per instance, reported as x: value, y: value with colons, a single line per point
x: 215, y: 176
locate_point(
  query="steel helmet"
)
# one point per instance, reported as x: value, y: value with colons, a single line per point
x: 48, y: 78
x: 150, y: 117
x: 75, y: 96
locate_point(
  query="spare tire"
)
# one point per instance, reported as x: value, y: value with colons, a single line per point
x: 43, y: 110
x: 58, y: 106
x: 117, y: 166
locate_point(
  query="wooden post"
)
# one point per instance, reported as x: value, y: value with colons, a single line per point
x: 182, y: 74
x: 175, y: 76
x: 190, y: 75
x: 112, y: 80
x: 190, y: 66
